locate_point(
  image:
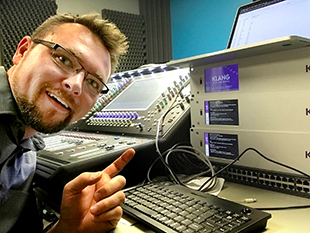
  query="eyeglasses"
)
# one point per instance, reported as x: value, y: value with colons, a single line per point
x: 70, y: 64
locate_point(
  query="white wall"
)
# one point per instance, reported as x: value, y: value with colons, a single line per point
x: 86, y: 6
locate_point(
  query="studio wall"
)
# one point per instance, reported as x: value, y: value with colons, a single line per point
x: 201, y: 26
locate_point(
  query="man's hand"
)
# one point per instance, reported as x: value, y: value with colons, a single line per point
x: 91, y: 202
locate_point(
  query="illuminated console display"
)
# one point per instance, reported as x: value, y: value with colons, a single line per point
x: 141, y: 94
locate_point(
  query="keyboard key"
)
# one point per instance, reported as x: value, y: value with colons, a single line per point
x: 175, y: 225
x: 145, y: 210
x: 179, y: 218
x: 187, y: 222
x: 172, y: 215
x: 195, y: 227
x: 181, y: 228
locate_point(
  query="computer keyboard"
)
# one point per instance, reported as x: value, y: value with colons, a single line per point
x: 167, y: 207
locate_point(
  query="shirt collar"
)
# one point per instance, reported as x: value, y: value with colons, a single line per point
x: 7, y: 101
x: 8, y: 106
x: 9, y: 109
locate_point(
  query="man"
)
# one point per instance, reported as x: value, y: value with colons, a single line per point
x: 57, y: 76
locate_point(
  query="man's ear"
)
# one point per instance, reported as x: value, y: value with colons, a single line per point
x: 22, y: 48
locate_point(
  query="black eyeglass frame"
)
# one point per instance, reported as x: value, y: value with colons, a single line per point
x: 54, y: 46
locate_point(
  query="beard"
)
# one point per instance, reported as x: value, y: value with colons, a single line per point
x: 34, y: 118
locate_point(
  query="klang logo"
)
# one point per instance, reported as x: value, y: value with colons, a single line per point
x: 221, y: 78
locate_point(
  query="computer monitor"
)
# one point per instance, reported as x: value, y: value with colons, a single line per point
x: 269, y: 19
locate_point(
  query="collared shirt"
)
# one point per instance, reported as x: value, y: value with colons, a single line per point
x: 17, y: 156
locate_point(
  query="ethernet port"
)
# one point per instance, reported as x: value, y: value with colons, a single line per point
x: 306, y: 190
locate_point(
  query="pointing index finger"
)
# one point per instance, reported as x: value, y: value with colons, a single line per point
x: 119, y: 163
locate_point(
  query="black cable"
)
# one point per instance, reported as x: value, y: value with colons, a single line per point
x: 171, y: 150
x: 165, y: 163
x: 280, y: 164
x: 184, y: 159
x: 238, y: 157
x: 283, y: 208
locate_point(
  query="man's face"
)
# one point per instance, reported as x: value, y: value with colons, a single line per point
x: 49, y: 99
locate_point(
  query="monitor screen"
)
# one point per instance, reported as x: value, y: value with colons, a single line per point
x: 265, y: 20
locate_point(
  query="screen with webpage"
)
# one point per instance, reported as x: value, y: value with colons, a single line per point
x: 266, y: 20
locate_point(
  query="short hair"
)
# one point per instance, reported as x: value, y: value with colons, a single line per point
x: 111, y: 37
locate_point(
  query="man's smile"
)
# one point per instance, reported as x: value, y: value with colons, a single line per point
x: 59, y: 99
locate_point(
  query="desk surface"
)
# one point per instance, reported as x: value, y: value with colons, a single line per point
x: 282, y: 221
